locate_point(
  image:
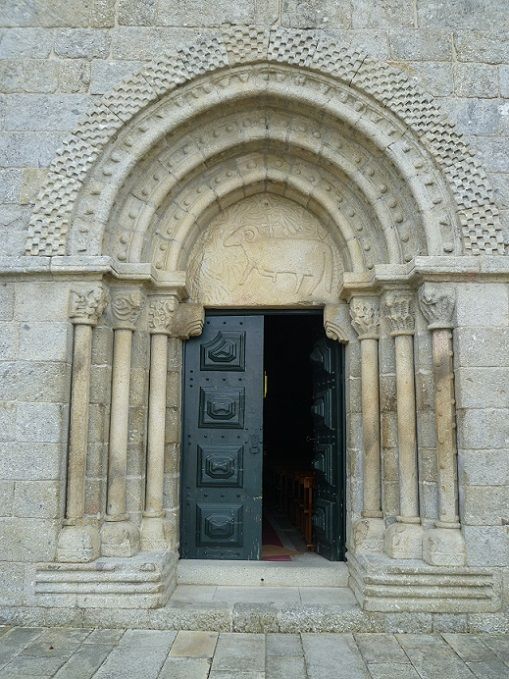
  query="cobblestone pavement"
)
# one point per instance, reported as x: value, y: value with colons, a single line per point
x: 141, y: 654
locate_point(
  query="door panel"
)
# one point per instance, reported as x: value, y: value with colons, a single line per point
x: 328, y: 515
x: 222, y: 440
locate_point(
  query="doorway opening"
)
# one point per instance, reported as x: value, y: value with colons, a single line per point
x: 289, y: 477
x: 263, y: 439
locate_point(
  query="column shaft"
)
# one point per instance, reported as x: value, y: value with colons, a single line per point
x: 445, y: 424
x: 156, y: 424
x: 78, y: 427
x: 407, y: 440
x: 371, y: 427
x: 117, y: 464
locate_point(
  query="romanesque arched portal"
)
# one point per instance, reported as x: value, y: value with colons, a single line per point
x: 272, y: 169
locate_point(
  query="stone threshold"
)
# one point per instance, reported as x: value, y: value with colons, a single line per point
x: 310, y: 570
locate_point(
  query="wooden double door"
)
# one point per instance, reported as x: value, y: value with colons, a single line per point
x: 222, y: 443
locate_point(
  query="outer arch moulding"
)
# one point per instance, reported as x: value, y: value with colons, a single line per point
x: 309, y: 50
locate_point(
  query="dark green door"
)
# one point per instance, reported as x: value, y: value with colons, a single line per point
x: 328, y: 516
x: 222, y: 440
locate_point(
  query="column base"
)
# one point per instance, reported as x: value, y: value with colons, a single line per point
x: 152, y: 534
x: 119, y: 538
x: 444, y: 547
x: 78, y: 544
x: 368, y: 535
x: 404, y: 540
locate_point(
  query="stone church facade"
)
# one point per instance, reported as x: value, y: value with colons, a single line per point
x: 348, y: 157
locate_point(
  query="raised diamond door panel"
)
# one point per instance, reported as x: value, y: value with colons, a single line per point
x: 222, y: 440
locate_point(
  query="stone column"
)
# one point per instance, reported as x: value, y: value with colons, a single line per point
x: 120, y: 537
x: 161, y: 313
x: 444, y: 545
x: 79, y: 541
x: 403, y: 539
x: 369, y: 531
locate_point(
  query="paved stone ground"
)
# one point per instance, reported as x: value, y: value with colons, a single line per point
x: 141, y: 654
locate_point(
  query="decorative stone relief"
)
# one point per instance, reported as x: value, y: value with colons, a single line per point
x: 188, y: 321
x: 381, y: 83
x: 264, y: 249
x: 437, y: 304
x: 125, y: 308
x: 334, y: 322
x: 87, y: 307
x: 161, y: 314
x: 365, y: 315
x: 399, y: 310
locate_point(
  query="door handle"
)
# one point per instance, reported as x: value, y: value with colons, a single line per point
x: 254, y: 444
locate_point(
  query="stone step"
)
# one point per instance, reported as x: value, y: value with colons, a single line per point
x: 312, y: 572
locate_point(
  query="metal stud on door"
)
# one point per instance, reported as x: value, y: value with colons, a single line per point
x: 222, y: 440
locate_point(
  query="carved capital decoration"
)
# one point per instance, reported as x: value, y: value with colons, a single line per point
x: 86, y: 308
x: 365, y: 315
x: 334, y: 324
x: 437, y: 305
x: 125, y: 308
x: 188, y: 321
x: 161, y: 313
x: 399, y: 311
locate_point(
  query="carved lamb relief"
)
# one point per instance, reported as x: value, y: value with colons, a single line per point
x: 265, y: 250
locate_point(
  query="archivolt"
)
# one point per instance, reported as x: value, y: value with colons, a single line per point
x: 344, y: 96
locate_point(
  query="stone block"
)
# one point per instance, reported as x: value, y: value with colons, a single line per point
x: 105, y: 75
x: 32, y: 181
x: 8, y: 414
x: 28, y: 539
x: 9, y: 340
x: 486, y: 505
x: 464, y: 13
x: 444, y: 547
x: 484, y: 467
x: 82, y: 44
x: 316, y: 14
x: 45, y: 341
x: 136, y: 13
x: 420, y: 45
x: 482, y: 387
x: 500, y: 185
x: 100, y: 384
x: 482, y: 46
x: 29, y: 461
x: 78, y: 544
x: 28, y: 75
x: 504, y: 81
x: 367, y: 14
x: 483, y: 305
x: 494, y: 153
x: 28, y: 301
x: 6, y: 497
x: 44, y: 112
x: 197, y: 14
x: 428, y: 500
x: 143, y: 44
x: 434, y: 77
x: 12, y: 584
x: 28, y: 43
x: 13, y: 224
x: 483, y: 428
x: 6, y: 302
x: 41, y: 423
x: 479, y: 117
x: 487, y: 545
x: 28, y: 149
x: 33, y: 381
x: 38, y: 499
x: 59, y: 13
x: 476, y: 80
x: 370, y: 41
x: 10, y: 185
x: 479, y: 347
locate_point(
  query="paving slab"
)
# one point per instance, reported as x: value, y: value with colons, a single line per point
x: 185, y: 668
x: 333, y: 656
x: 433, y: 658
x: 390, y: 670
x: 140, y: 654
x: 284, y: 667
x: 283, y: 644
x: 489, y: 669
x: 498, y: 643
x: 239, y: 651
x: 15, y: 640
x: 276, y: 595
x: 469, y: 647
x: 194, y: 645
x: 84, y: 663
x: 380, y: 648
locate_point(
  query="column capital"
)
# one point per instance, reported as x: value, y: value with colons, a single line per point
x: 86, y: 308
x: 399, y: 311
x: 160, y: 314
x: 125, y: 308
x: 365, y: 315
x: 437, y: 305
x: 188, y: 321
